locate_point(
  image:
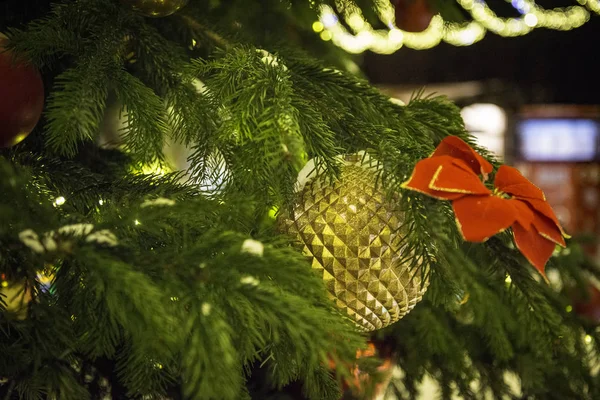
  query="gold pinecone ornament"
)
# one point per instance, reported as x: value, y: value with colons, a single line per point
x: 353, y: 235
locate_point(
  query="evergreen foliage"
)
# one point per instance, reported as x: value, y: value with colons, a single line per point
x: 165, y: 288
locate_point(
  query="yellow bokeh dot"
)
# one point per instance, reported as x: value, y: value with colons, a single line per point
x: 326, y: 35
x: 318, y: 26
x: 273, y: 212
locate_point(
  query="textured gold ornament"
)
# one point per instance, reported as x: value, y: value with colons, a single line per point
x: 352, y: 233
x: 156, y: 8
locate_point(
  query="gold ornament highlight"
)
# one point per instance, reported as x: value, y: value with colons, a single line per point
x: 16, y: 296
x: 156, y: 8
x: 353, y: 235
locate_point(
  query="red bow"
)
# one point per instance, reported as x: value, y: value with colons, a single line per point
x: 451, y: 173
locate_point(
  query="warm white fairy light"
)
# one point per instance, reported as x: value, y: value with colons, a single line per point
x: 530, y: 20
x: 507, y: 27
x: 362, y: 36
x: 535, y: 17
x: 59, y: 201
x: 592, y: 5
x: 469, y: 34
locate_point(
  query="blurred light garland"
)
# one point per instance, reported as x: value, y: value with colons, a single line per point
x: 362, y: 36
x: 592, y: 5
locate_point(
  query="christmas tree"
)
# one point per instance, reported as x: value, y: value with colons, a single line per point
x: 203, y: 201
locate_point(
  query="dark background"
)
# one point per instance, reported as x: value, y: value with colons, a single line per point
x: 543, y: 66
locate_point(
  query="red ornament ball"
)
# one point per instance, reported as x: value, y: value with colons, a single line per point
x: 21, y: 97
x: 413, y: 15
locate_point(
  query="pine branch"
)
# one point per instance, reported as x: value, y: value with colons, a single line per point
x: 261, y: 128
x: 203, y: 378
x: 158, y: 61
x: 198, y: 28
x: 145, y: 114
x: 76, y: 106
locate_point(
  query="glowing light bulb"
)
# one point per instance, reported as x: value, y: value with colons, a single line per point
x: 326, y: 35
x: 273, y: 212
x: 530, y: 20
x: 318, y: 26
x: 396, y: 35
x: 468, y: 37
x: 59, y: 201
x: 357, y: 35
x: 356, y: 22
x: 136, y: 222
x: 329, y: 19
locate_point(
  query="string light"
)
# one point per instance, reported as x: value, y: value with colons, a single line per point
x: 592, y: 5
x: 59, y: 201
x: 535, y: 17
x: 361, y: 36
x: 326, y: 35
x: 530, y: 20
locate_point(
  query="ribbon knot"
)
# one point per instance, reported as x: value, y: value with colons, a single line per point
x: 457, y: 173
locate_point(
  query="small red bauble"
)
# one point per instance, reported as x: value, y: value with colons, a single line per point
x: 21, y: 98
x: 413, y: 15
